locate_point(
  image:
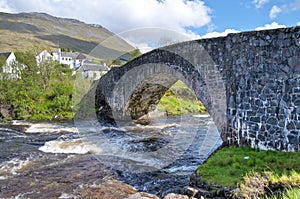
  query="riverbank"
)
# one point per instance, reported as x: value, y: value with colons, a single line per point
x: 247, y: 172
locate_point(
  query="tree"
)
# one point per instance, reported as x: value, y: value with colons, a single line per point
x: 136, y: 53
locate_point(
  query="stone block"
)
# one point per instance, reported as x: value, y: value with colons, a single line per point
x: 290, y: 125
x: 255, y: 119
x: 293, y: 139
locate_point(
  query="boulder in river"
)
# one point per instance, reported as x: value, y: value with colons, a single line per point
x: 7, y: 111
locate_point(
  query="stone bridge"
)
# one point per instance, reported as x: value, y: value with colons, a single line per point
x: 249, y: 83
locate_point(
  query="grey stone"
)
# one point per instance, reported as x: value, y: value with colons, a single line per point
x: 292, y: 139
x: 290, y: 126
x: 272, y: 121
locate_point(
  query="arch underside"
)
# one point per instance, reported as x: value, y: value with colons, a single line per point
x: 147, y: 95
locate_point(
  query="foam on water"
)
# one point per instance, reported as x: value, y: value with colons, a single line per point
x: 11, y: 167
x: 201, y: 116
x: 66, y: 195
x: 76, y: 146
x: 50, y: 128
x: 44, y: 127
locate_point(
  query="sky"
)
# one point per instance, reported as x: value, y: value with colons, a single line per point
x: 191, y: 18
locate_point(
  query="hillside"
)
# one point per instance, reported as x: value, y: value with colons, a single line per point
x: 27, y: 30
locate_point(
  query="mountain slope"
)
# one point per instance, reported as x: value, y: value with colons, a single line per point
x: 27, y: 30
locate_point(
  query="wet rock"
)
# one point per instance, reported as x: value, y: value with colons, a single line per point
x: 142, y: 195
x: 175, y: 196
x: 190, y: 191
x: 207, y: 190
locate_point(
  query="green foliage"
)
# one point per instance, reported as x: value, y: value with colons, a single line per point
x: 42, y: 92
x: 228, y: 166
x: 179, y: 99
x: 290, y: 193
x: 2, y: 62
x: 136, y: 53
x: 81, y: 88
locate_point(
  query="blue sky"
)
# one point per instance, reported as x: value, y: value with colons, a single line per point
x: 191, y: 18
x: 248, y: 15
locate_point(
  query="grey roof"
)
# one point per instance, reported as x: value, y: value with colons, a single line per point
x: 5, y: 54
x: 91, y: 66
x: 81, y: 56
x: 69, y: 54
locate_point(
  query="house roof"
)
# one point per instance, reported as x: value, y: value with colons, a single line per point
x: 81, y: 56
x: 91, y: 66
x: 5, y: 54
x: 69, y: 54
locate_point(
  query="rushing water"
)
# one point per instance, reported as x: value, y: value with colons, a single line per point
x: 56, y: 160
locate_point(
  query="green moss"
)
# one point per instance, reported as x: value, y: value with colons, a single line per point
x: 228, y: 166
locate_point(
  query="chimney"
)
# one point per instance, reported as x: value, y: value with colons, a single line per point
x: 59, y: 55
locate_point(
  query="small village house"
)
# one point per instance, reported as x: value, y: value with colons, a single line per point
x: 43, y: 56
x: 76, y: 61
x: 72, y: 59
x: 92, y: 71
x: 8, y: 59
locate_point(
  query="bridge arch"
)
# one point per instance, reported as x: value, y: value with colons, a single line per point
x: 249, y: 82
x: 137, y: 87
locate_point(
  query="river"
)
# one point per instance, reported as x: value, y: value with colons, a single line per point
x: 59, y: 160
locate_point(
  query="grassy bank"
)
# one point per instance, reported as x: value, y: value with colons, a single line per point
x: 179, y: 99
x: 250, y: 168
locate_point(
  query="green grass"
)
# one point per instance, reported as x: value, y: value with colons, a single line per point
x: 290, y: 194
x: 179, y: 99
x: 229, y: 166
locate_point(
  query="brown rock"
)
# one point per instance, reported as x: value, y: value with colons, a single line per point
x: 7, y: 111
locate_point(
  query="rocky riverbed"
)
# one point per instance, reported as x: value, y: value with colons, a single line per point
x: 54, y: 160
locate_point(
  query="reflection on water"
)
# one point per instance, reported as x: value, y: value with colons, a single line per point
x: 158, y: 158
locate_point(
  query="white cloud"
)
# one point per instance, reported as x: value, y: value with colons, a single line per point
x: 259, y: 3
x: 273, y: 25
x: 274, y: 12
x: 220, y: 34
x: 122, y: 15
x: 298, y: 24
x: 147, y: 39
x: 284, y: 8
x: 4, y: 7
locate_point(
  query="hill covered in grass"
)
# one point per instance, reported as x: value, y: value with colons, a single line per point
x: 26, y: 30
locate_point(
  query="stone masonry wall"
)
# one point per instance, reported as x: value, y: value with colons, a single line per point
x: 264, y: 88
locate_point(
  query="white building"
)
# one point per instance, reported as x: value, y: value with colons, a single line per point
x: 77, y: 61
x: 73, y: 59
x: 7, y: 68
x: 43, y: 56
x: 92, y: 71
